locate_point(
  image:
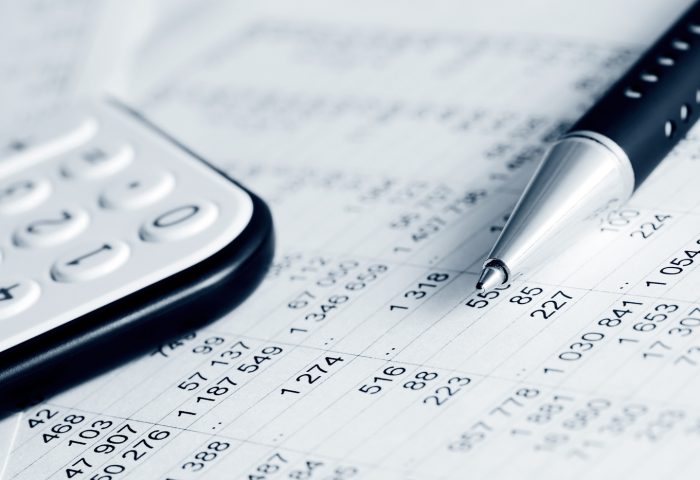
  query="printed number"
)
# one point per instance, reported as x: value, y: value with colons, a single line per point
x: 421, y: 379
x: 202, y: 457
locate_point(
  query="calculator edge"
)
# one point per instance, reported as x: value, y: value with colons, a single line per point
x: 128, y: 327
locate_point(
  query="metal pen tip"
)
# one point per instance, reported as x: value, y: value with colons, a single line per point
x: 491, y: 277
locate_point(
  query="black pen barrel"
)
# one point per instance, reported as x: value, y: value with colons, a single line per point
x: 652, y: 107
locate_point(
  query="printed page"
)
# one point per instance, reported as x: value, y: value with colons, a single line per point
x: 58, y: 52
x: 391, y: 143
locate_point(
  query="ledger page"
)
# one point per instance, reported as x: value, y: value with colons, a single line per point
x: 391, y: 142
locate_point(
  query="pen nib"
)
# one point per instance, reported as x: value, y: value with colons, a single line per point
x: 491, y: 277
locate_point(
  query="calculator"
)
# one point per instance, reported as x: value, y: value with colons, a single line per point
x: 114, y: 238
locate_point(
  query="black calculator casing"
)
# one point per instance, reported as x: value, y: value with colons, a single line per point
x: 141, y: 321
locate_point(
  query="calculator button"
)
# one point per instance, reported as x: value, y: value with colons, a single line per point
x: 22, y: 151
x: 138, y: 189
x: 17, y: 296
x: 19, y: 195
x: 52, y: 227
x: 97, y: 160
x: 90, y: 261
x: 179, y: 221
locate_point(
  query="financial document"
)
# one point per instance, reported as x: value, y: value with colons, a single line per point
x: 56, y: 53
x: 391, y: 141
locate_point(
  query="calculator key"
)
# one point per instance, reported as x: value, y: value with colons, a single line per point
x: 66, y: 132
x: 90, y: 261
x: 179, y: 221
x: 97, y: 160
x: 17, y: 296
x: 20, y: 195
x: 138, y: 189
x: 52, y: 227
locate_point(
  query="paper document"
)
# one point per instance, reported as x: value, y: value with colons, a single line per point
x: 391, y: 140
x: 56, y: 53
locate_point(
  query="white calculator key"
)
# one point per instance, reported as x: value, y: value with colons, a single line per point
x: 17, y: 296
x: 179, y: 221
x: 98, y: 159
x: 51, y: 227
x: 90, y: 261
x: 138, y: 189
x: 19, y: 195
x: 69, y: 131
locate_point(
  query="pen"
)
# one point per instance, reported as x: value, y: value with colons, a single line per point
x: 606, y: 155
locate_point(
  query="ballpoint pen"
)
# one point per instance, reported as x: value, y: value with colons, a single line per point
x: 607, y: 154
